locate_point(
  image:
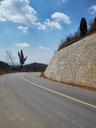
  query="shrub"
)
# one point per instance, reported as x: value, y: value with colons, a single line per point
x: 83, y: 31
x: 92, y: 25
x: 69, y: 40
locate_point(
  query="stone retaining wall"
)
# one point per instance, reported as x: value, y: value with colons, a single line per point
x: 75, y: 64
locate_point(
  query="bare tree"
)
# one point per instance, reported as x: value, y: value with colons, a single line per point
x: 9, y: 54
x: 22, y: 59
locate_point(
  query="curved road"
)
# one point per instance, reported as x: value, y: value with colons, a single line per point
x: 28, y: 101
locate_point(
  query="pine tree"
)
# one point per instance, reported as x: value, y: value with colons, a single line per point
x: 83, y: 27
x: 94, y: 24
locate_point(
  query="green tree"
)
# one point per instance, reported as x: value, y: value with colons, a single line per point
x: 92, y: 25
x: 22, y: 59
x: 83, y: 27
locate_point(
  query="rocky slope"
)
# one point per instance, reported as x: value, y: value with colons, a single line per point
x: 75, y: 64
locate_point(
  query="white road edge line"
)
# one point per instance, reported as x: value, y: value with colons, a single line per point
x: 55, y: 92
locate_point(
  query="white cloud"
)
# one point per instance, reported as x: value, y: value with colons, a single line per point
x: 24, y: 29
x: 49, y: 24
x: 52, y: 24
x: 20, y: 11
x: 58, y: 16
x: 55, y: 22
x: 17, y: 11
x: 41, y: 26
x: 93, y: 9
x: 23, y: 45
x: 43, y: 47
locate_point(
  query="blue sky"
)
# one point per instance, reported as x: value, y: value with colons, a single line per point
x: 37, y: 26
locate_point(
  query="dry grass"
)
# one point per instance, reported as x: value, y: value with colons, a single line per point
x: 73, y: 39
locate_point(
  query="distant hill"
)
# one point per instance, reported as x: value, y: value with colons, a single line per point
x: 4, y: 67
x: 35, y: 67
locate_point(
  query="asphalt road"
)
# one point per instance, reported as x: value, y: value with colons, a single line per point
x: 28, y: 101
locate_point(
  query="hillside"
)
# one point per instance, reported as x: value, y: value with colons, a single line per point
x: 75, y: 64
x: 35, y: 67
x: 4, y: 67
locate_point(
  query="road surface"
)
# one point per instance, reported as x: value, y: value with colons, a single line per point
x: 28, y: 101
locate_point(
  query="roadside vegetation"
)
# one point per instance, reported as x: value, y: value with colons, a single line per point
x: 4, y: 68
x: 85, y: 29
